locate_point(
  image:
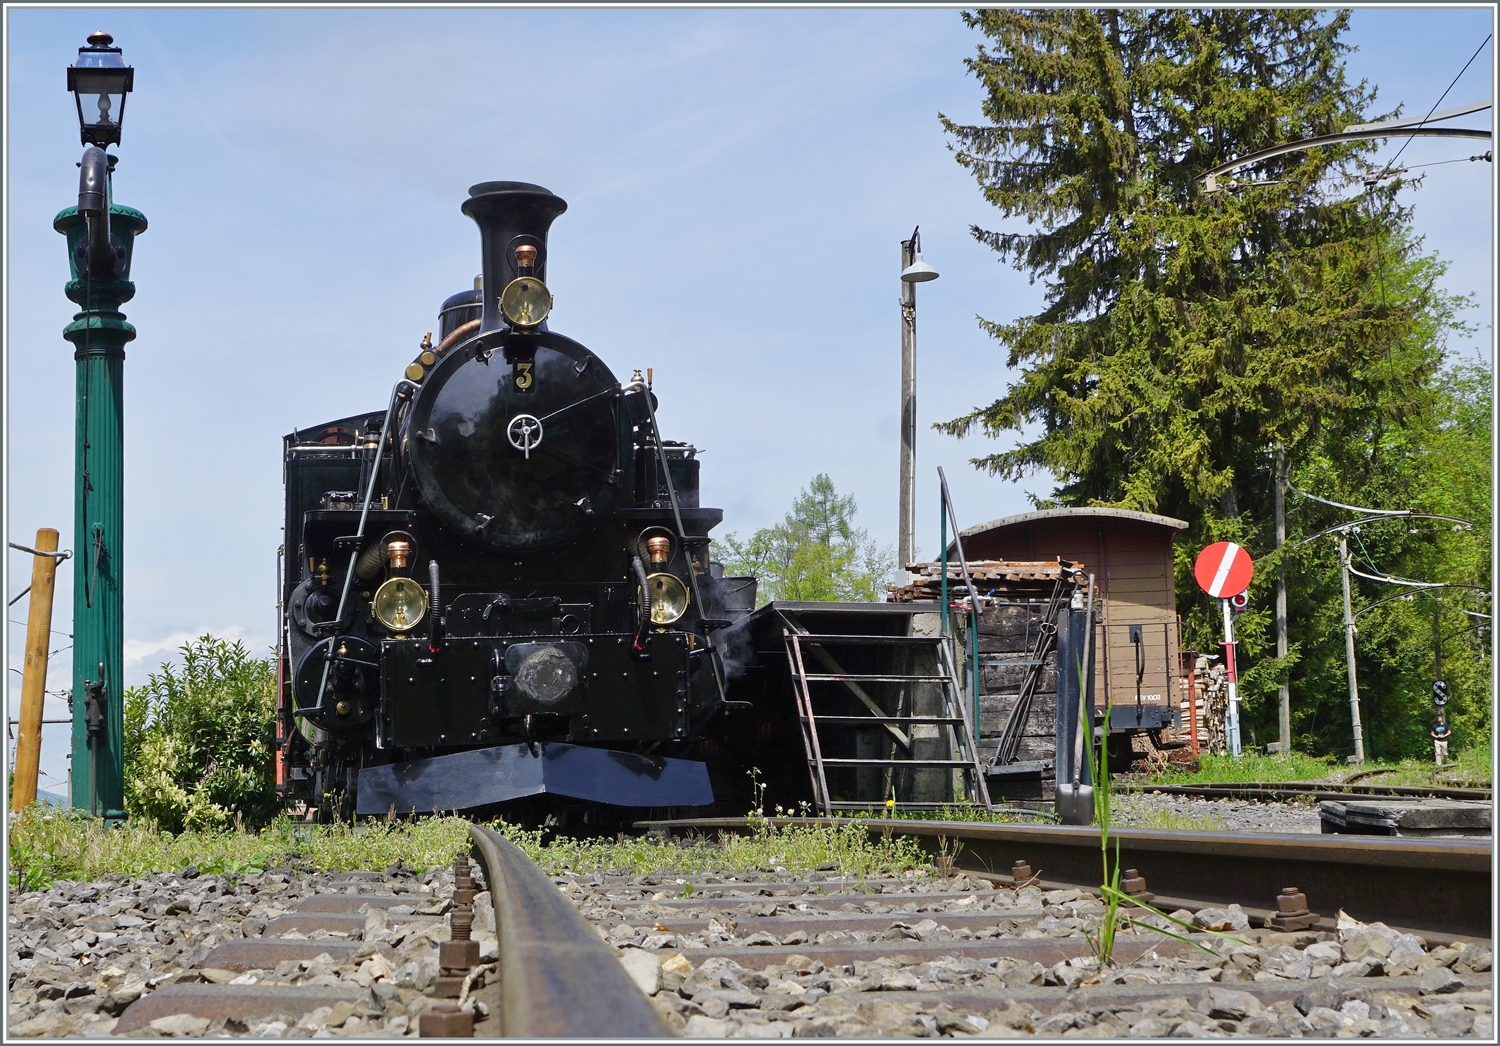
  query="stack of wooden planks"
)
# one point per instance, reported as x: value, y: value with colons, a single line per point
x: 996, y: 577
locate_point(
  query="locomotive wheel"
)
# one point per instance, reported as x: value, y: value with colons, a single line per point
x: 337, y: 792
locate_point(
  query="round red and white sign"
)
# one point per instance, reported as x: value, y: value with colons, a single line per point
x: 1223, y: 569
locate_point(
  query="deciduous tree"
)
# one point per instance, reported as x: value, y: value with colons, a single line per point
x: 816, y: 553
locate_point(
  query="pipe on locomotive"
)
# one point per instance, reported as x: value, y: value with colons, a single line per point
x: 456, y: 335
x: 402, y: 389
x: 638, y: 646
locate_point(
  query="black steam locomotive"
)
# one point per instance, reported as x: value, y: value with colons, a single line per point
x: 499, y: 587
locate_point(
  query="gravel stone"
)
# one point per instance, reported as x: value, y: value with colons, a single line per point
x: 1439, y: 981
x: 644, y: 969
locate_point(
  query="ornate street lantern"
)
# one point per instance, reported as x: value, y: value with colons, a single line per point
x: 100, y: 80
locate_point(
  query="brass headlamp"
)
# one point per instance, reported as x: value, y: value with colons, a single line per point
x: 669, y: 598
x: 400, y: 604
x: 526, y: 301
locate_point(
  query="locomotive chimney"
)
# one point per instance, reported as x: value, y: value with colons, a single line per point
x: 510, y: 215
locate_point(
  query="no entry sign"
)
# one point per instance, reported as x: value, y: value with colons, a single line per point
x: 1223, y: 569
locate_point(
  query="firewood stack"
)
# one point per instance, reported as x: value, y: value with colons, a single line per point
x: 1001, y: 578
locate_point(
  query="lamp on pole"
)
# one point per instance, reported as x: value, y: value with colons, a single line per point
x: 913, y: 271
x: 101, y: 237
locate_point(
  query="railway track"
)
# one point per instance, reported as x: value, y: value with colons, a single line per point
x: 549, y: 976
x: 768, y: 953
x: 995, y: 954
x: 1280, y: 791
x: 1440, y: 888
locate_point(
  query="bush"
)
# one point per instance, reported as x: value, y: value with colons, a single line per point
x: 199, y: 740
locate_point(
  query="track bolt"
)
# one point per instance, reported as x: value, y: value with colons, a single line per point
x: 444, y: 1020
x: 1291, y: 911
x: 1020, y: 871
x: 459, y: 954
x: 1135, y: 885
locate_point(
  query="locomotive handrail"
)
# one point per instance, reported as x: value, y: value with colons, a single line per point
x: 666, y: 470
x: 579, y: 403
x: 401, y: 388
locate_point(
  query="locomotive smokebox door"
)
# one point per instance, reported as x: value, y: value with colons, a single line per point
x: 511, y: 469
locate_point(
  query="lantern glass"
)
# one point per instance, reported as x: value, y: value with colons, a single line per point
x: 100, y: 80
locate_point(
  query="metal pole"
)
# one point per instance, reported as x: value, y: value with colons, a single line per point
x: 34, y: 671
x: 1437, y: 640
x: 943, y: 544
x: 1232, y: 715
x: 906, y: 532
x: 1359, y: 736
x: 1193, y: 699
x: 1284, y: 709
x: 99, y: 334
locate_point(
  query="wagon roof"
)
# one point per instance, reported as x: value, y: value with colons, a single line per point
x: 1068, y: 513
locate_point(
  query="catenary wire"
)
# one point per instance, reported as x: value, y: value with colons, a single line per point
x: 1439, y: 102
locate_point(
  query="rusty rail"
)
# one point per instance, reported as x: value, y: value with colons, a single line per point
x: 557, y: 978
x: 1278, y: 790
x: 1437, y: 887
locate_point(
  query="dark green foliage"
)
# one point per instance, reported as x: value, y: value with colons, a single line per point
x: 1186, y: 334
x: 816, y: 553
x: 199, y: 740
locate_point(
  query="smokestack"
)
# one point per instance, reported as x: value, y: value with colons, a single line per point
x: 509, y: 214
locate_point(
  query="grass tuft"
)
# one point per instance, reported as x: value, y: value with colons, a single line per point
x: 848, y: 847
x: 47, y: 844
x: 1470, y: 768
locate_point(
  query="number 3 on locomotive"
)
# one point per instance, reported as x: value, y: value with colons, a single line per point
x: 523, y: 377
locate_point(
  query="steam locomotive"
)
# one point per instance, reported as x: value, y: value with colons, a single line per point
x: 498, y: 589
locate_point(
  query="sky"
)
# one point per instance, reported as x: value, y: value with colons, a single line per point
x: 738, y: 183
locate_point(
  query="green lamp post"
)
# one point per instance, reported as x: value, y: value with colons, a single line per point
x: 101, y: 236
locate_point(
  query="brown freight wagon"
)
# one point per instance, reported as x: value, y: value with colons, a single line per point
x: 1136, y: 631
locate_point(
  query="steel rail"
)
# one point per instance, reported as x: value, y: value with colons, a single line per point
x: 1288, y: 790
x: 1433, y: 886
x: 557, y: 978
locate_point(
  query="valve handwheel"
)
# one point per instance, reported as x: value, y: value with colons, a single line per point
x: 524, y: 433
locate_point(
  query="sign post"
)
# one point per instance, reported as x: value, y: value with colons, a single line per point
x: 1224, y: 570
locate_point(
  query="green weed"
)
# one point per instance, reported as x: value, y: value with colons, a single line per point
x: 1470, y: 767
x: 47, y: 843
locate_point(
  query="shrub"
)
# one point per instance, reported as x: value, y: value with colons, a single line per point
x: 199, y: 740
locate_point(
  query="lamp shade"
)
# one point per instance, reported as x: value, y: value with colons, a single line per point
x: 918, y: 271
x: 100, y: 80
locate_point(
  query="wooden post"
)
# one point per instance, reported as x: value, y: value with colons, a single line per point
x: 34, y: 672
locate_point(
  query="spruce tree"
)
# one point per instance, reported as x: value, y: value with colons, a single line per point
x: 1186, y: 333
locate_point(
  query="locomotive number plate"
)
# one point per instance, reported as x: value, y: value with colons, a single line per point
x: 523, y: 377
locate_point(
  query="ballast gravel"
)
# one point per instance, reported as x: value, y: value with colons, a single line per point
x: 1345, y: 984
x: 80, y: 953
x: 1155, y: 810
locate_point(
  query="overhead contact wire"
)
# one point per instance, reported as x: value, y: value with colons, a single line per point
x: 1439, y: 102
